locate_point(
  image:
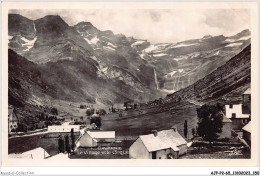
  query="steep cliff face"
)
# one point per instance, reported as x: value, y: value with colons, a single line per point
x: 181, y: 64
x: 224, y: 85
x: 83, y: 63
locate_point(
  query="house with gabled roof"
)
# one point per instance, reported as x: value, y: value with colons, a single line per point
x: 235, y: 114
x: 12, y: 120
x: 165, y: 144
x: 92, y: 138
x: 37, y: 153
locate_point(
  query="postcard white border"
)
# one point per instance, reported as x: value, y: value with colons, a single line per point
x: 252, y: 6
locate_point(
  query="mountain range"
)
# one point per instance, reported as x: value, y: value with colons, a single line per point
x: 50, y: 60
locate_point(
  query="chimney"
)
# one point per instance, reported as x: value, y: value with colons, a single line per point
x: 154, y: 132
x: 174, y: 128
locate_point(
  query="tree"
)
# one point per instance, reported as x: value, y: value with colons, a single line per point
x: 82, y: 106
x: 126, y: 105
x: 54, y: 111
x: 210, y: 122
x: 102, y: 111
x: 22, y: 127
x: 112, y: 108
x: 193, y: 132
x: 67, y: 144
x: 41, y: 117
x: 90, y: 111
x: 96, y: 119
x: 61, y: 144
x: 72, y: 136
x: 185, y: 128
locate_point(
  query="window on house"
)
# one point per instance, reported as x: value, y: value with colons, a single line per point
x: 231, y: 106
x: 233, y: 115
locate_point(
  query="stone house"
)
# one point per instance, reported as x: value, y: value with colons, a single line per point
x: 234, y: 113
x: 92, y: 138
x: 166, y: 144
x: 12, y: 120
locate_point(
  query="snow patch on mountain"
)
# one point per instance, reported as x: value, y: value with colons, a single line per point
x: 138, y: 43
x: 167, y: 91
x: 10, y: 38
x: 184, y: 45
x: 94, y: 40
x: 28, y: 43
x: 102, y: 68
x: 230, y: 40
x: 109, y: 48
x: 112, y: 45
x: 171, y: 74
x: 150, y: 48
x: 234, y: 44
x: 160, y: 55
x: 156, y: 48
x: 215, y: 54
x: 89, y: 42
x: 142, y: 55
x: 180, y: 70
x: 244, y: 38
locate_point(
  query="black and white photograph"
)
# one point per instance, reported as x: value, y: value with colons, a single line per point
x: 130, y: 83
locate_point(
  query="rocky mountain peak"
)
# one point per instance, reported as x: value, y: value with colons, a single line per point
x: 207, y: 36
x: 50, y: 25
x: 19, y: 25
x: 83, y: 23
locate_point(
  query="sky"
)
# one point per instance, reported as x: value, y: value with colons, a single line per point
x: 155, y: 25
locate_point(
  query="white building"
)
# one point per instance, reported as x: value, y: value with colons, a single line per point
x: 63, y: 128
x: 92, y: 138
x: 166, y: 144
x: 37, y: 153
x: 12, y: 120
x: 234, y: 113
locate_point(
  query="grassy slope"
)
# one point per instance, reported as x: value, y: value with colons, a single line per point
x: 144, y: 124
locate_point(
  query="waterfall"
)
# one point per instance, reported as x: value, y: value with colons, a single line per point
x: 178, y: 83
x: 34, y: 27
x: 174, y: 83
x: 155, y: 79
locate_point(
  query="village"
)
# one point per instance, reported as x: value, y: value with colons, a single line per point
x: 85, y: 137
